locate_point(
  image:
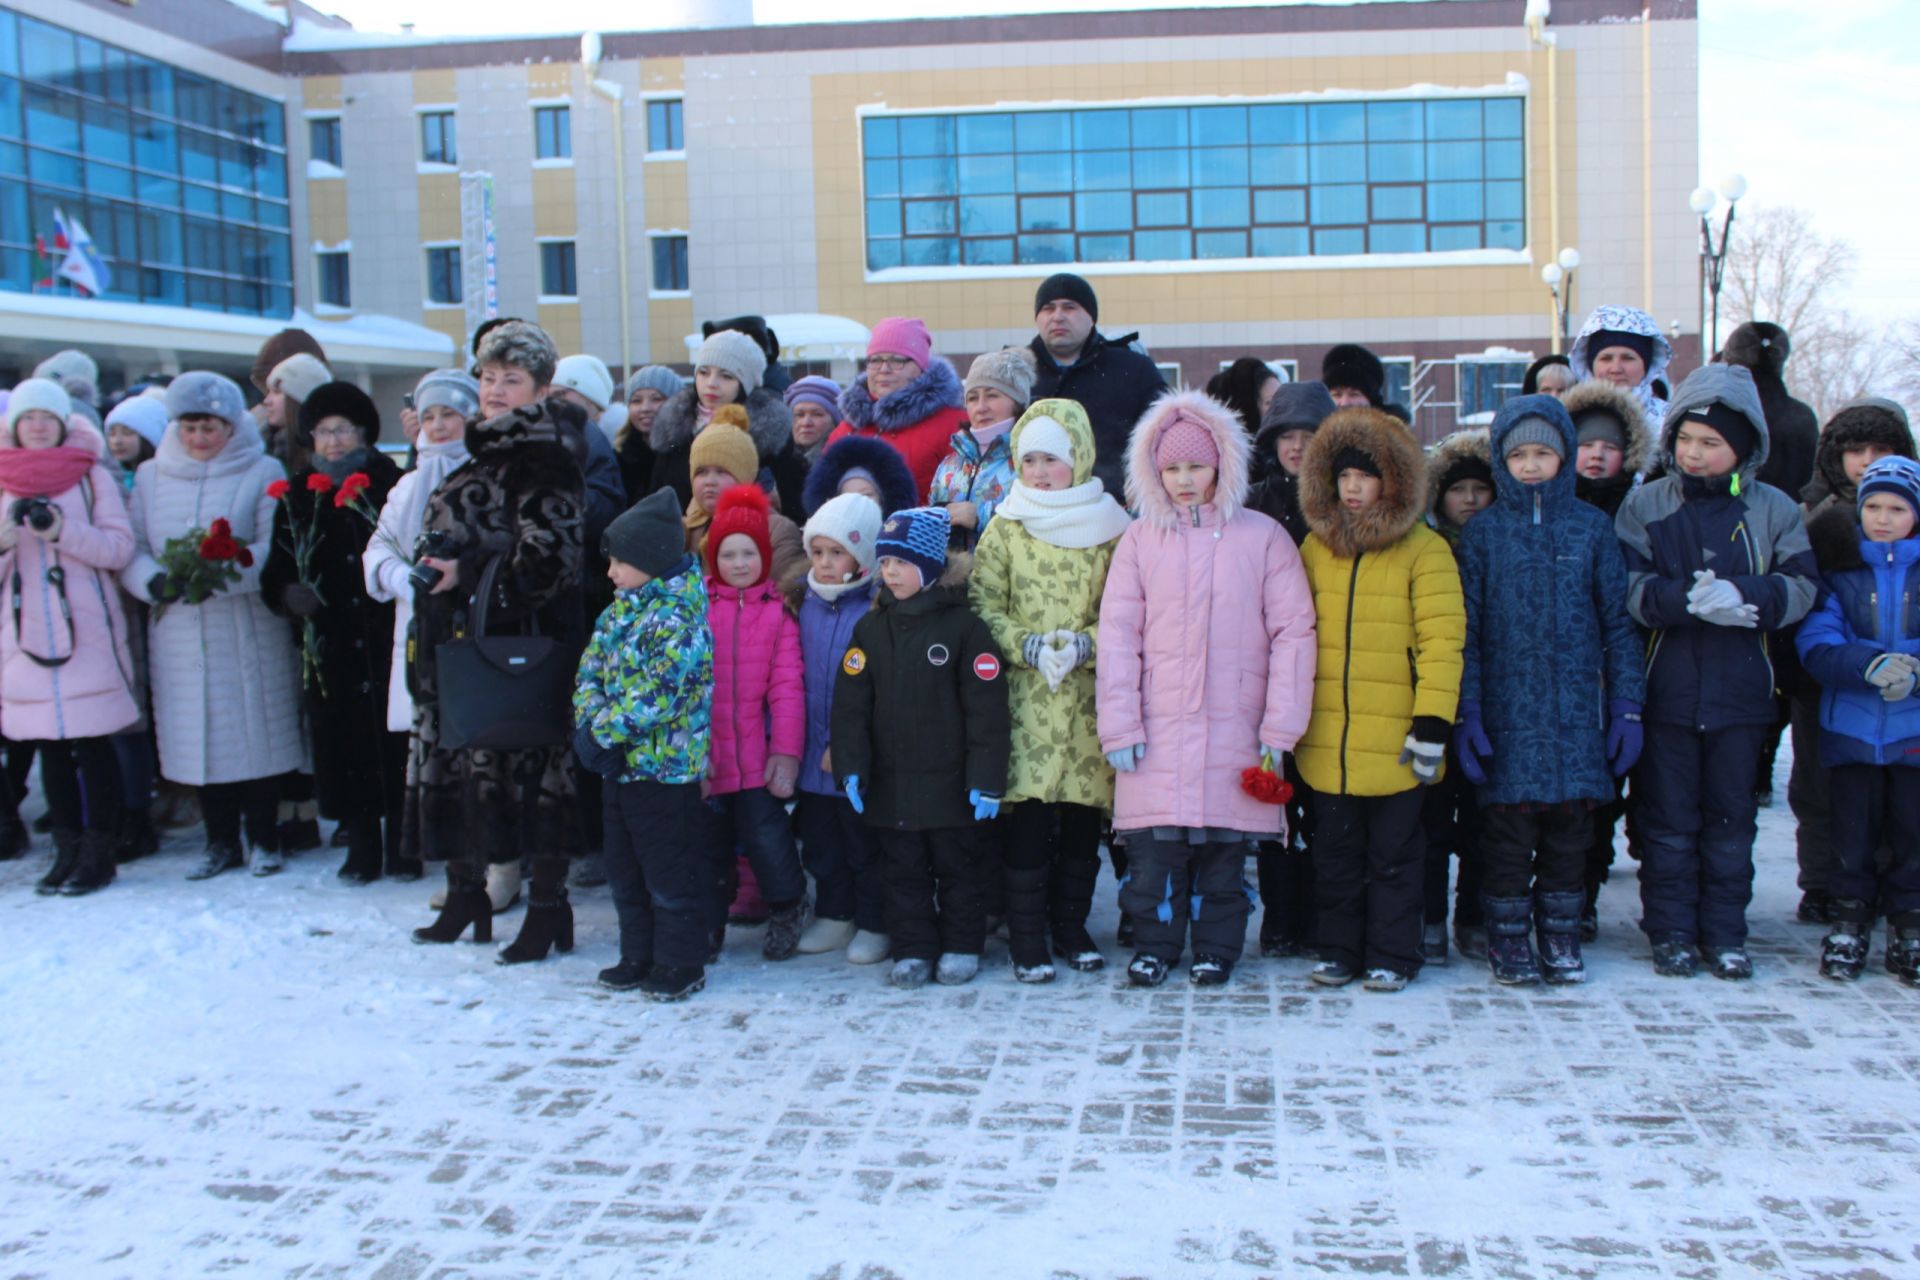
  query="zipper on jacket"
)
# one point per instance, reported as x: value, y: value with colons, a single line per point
x: 733, y: 679
x: 1536, y: 508
x: 1346, y: 673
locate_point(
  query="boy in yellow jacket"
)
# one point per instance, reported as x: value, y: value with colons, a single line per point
x: 1392, y: 625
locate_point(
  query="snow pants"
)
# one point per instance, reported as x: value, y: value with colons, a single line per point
x: 1450, y: 818
x: 1527, y: 851
x: 1696, y: 815
x: 662, y: 865
x: 936, y: 890
x: 843, y: 856
x: 1052, y: 859
x: 1367, y: 863
x: 1174, y: 888
x: 1286, y: 870
x: 756, y: 820
x: 1875, y: 805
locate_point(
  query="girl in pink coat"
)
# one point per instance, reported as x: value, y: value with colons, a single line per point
x: 1206, y: 670
x: 759, y: 714
x: 66, y: 676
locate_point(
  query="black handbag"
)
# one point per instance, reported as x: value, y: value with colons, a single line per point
x: 506, y: 692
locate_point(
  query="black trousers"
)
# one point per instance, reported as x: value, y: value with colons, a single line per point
x: 1367, y: 856
x: 1876, y: 806
x: 842, y: 854
x: 1285, y: 869
x: 1808, y: 796
x: 1052, y: 858
x: 81, y: 777
x: 1173, y: 886
x: 936, y: 890
x: 1522, y: 851
x: 1450, y: 817
x: 1696, y: 811
x: 662, y: 864
x: 257, y: 800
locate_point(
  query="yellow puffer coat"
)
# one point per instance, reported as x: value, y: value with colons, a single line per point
x: 1392, y: 622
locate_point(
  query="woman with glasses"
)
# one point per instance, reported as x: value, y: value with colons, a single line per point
x: 315, y: 578
x: 908, y: 397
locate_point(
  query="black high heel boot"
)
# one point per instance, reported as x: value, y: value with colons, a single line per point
x: 548, y: 924
x: 467, y: 904
x: 95, y: 868
x: 363, y: 851
x: 66, y: 859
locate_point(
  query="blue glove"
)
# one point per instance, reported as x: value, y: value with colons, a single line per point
x: 853, y: 794
x: 1126, y: 758
x: 1470, y: 744
x: 1625, y: 737
x: 985, y: 807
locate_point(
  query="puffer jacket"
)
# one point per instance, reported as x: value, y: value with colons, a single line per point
x: 88, y: 691
x: 1391, y: 619
x: 1549, y: 641
x: 1872, y: 606
x: 1206, y: 641
x: 971, y: 474
x: 1699, y: 675
x: 645, y: 684
x: 759, y: 702
x: 826, y: 632
x: 1023, y: 586
x: 1625, y: 320
x: 919, y: 419
x: 225, y: 672
x: 1603, y: 397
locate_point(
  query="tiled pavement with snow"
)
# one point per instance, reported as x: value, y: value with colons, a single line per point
x: 265, y: 1078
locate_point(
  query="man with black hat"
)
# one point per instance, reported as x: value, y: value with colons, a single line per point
x: 1110, y: 380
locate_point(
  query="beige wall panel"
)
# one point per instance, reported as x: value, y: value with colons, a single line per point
x: 666, y: 195
x: 669, y: 321
x: 321, y: 93
x: 561, y: 320
x: 550, y: 79
x: 555, y: 203
x: 660, y: 74
x: 327, y: 210
x: 439, y: 206
x: 434, y: 86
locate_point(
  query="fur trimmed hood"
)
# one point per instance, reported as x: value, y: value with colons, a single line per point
x: 769, y: 421
x: 1592, y: 395
x: 1862, y: 420
x: 1148, y: 496
x: 938, y: 387
x: 1461, y: 446
x: 871, y: 454
x: 1403, y: 482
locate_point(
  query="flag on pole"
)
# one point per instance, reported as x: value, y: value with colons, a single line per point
x: 83, y: 264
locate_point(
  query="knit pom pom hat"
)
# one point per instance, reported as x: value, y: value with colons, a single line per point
x: 725, y: 444
x: 918, y: 536
x: 1185, y: 439
x: 741, y: 509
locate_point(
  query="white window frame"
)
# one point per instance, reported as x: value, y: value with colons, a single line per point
x: 647, y: 100
x: 546, y: 298
x: 667, y: 233
x: 426, y: 274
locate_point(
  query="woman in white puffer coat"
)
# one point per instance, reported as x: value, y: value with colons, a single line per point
x: 226, y: 674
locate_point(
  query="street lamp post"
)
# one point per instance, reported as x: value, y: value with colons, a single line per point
x: 615, y: 94
x: 1558, y: 277
x: 1713, y: 260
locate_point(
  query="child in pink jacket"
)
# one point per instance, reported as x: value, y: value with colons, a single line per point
x: 1206, y: 670
x: 759, y: 713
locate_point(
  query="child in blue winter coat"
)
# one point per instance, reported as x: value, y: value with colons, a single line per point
x: 1716, y: 563
x: 1863, y: 646
x: 1551, y: 695
x: 838, y: 847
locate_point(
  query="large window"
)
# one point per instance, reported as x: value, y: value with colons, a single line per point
x: 665, y: 125
x: 180, y: 181
x: 437, y: 141
x: 1174, y: 183
x: 331, y: 284
x: 323, y: 139
x: 552, y: 133
x: 557, y: 277
x: 443, y: 275
x: 670, y: 264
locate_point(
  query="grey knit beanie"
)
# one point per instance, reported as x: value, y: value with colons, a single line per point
x: 1534, y: 430
x: 734, y: 352
x: 204, y: 392
x: 1010, y: 371
x: 655, y: 377
x: 649, y: 535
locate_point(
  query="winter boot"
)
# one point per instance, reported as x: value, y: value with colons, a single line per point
x: 625, y: 976
x: 783, y: 930
x: 1027, y: 915
x: 869, y: 947
x: 1814, y: 908
x: 1730, y: 963
x: 672, y: 983
x: 95, y: 869
x: 1509, y: 948
x: 262, y: 861
x: 298, y: 835
x: 910, y: 974
x: 1385, y: 980
x: 1034, y: 974
x: 1072, y: 943
x: 1433, y: 943
x: 1470, y: 940
x: 1123, y: 932
x: 825, y: 935
x: 1903, y: 950
x: 1209, y: 971
x: 956, y: 969
x: 587, y: 873
x: 219, y: 857
x: 1276, y: 941
x: 1590, y: 915
x: 1557, y: 918
x: 363, y: 851
x: 466, y: 905
x: 1147, y: 971
x: 66, y: 860
x: 548, y: 924
x: 137, y: 837
x: 1843, y: 955
x: 1333, y: 973
x: 1674, y: 955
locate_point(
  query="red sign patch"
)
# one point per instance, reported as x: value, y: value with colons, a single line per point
x: 986, y: 666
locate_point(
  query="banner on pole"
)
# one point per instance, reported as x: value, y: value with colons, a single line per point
x: 479, y: 253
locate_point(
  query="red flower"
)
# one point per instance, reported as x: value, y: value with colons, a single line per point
x: 278, y: 490
x: 220, y: 529
x: 1266, y: 786
x: 351, y: 488
x: 219, y: 546
x: 319, y: 482
x: 245, y: 557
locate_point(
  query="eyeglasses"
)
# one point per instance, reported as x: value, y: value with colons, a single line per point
x: 335, y: 433
x: 888, y: 362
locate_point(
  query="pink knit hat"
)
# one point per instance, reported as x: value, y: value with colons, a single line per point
x: 901, y: 336
x: 1185, y: 439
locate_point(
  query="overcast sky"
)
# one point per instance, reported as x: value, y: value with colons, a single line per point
x: 1815, y: 102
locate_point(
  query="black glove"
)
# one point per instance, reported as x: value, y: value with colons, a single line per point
x: 160, y: 587
x: 300, y: 600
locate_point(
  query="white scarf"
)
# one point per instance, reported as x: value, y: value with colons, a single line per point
x: 832, y: 591
x: 433, y: 463
x: 1079, y: 517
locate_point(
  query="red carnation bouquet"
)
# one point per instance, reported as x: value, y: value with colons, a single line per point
x: 200, y: 564
x: 352, y: 496
x: 305, y: 540
x: 1264, y: 783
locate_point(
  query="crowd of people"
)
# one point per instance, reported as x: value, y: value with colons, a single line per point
x: 884, y: 667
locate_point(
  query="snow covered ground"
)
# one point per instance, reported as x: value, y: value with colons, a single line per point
x: 265, y: 1078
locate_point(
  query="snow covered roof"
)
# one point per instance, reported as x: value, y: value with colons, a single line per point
x: 811, y: 337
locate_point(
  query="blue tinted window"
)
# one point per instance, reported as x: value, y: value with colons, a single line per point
x: 1450, y: 161
x: 1277, y: 124
x: 986, y: 175
x: 1279, y: 206
x: 1337, y: 122
x: 1280, y: 166
x: 1220, y: 167
x: 9, y: 46
x: 1161, y: 209
x: 1506, y: 235
x: 1448, y: 238
x: 926, y: 136
x: 1102, y: 171
x: 1100, y: 130
x: 882, y: 254
x: 1046, y: 248
x: 1043, y: 130
x: 1397, y: 204
x: 883, y: 177
x: 1162, y: 246
x: 1219, y: 126
x: 1458, y: 118
x: 1046, y: 213
x: 1504, y: 117
x: 1394, y: 122
x: 1396, y: 162
x: 1104, y: 211
x: 1160, y: 127
x: 1505, y: 200
x: 1160, y: 169
x: 9, y: 104
x: 1338, y: 164
x: 929, y: 177
x: 47, y: 54
x: 1340, y: 240
x: 1339, y: 204
x: 1045, y: 171
x: 986, y: 216
x: 883, y: 217
x: 881, y: 137
x: 1503, y: 160
x: 1220, y: 244
x: 1112, y: 248
x: 930, y: 217
x: 1279, y: 242
x: 1454, y: 201
x: 987, y: 253
x: 941, y: 251
x: 1220, y: 207
x: 1407, y: 237
x: 982, y: 135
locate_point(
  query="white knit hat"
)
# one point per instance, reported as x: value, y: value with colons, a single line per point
x: 44, y: 394
x: 735, y: 353
x: 850, y: 519
x: 299, y: 376
x: 1045, y: 435
x: 589, y: 376
x: 145, y: 416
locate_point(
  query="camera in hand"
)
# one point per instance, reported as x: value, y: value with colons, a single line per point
x: 439, y: 544
x: 37, y: 512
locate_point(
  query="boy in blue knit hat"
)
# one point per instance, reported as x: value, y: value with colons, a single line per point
x: 920, y: 744
x: 1863, y: 646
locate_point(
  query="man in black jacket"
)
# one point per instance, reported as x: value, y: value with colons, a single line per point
x: 1106, y: 376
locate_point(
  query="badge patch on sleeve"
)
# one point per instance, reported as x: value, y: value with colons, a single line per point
x: 986, y: 666
x: 855, y: 662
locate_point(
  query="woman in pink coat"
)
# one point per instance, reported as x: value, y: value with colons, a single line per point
x: 759, y: 712
x: 1206, y: 670
x: 66, y: 676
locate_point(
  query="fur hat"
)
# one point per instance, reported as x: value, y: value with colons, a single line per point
x: 450, y: 389
x: 901, y: 336
x: 870, y: 454
x: 1010, y: 371
x: 589, y: 376
x: 1403, y: 482
x: 741, y: 509
x: 276, y: 349
x: 203, y: 392
x: 649, y: 535
x: 1351, y: 366
x: 1760, y: 346
x: 726, y: 444
x: 1464, y: 455
x: 815, y: 389
x: 1897, y: 476
x: 145, y: 416
x: 70, y: 364
x: 1861, y: 421
x: 917, y: 535
x: 339, y: 399
x: 853, y: 521
x: 1065, y: 284
x: 655, y: 377
x: 43, y: 394
x: 731, y: 351
x: 299, y: 376
x: 520, y: 344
